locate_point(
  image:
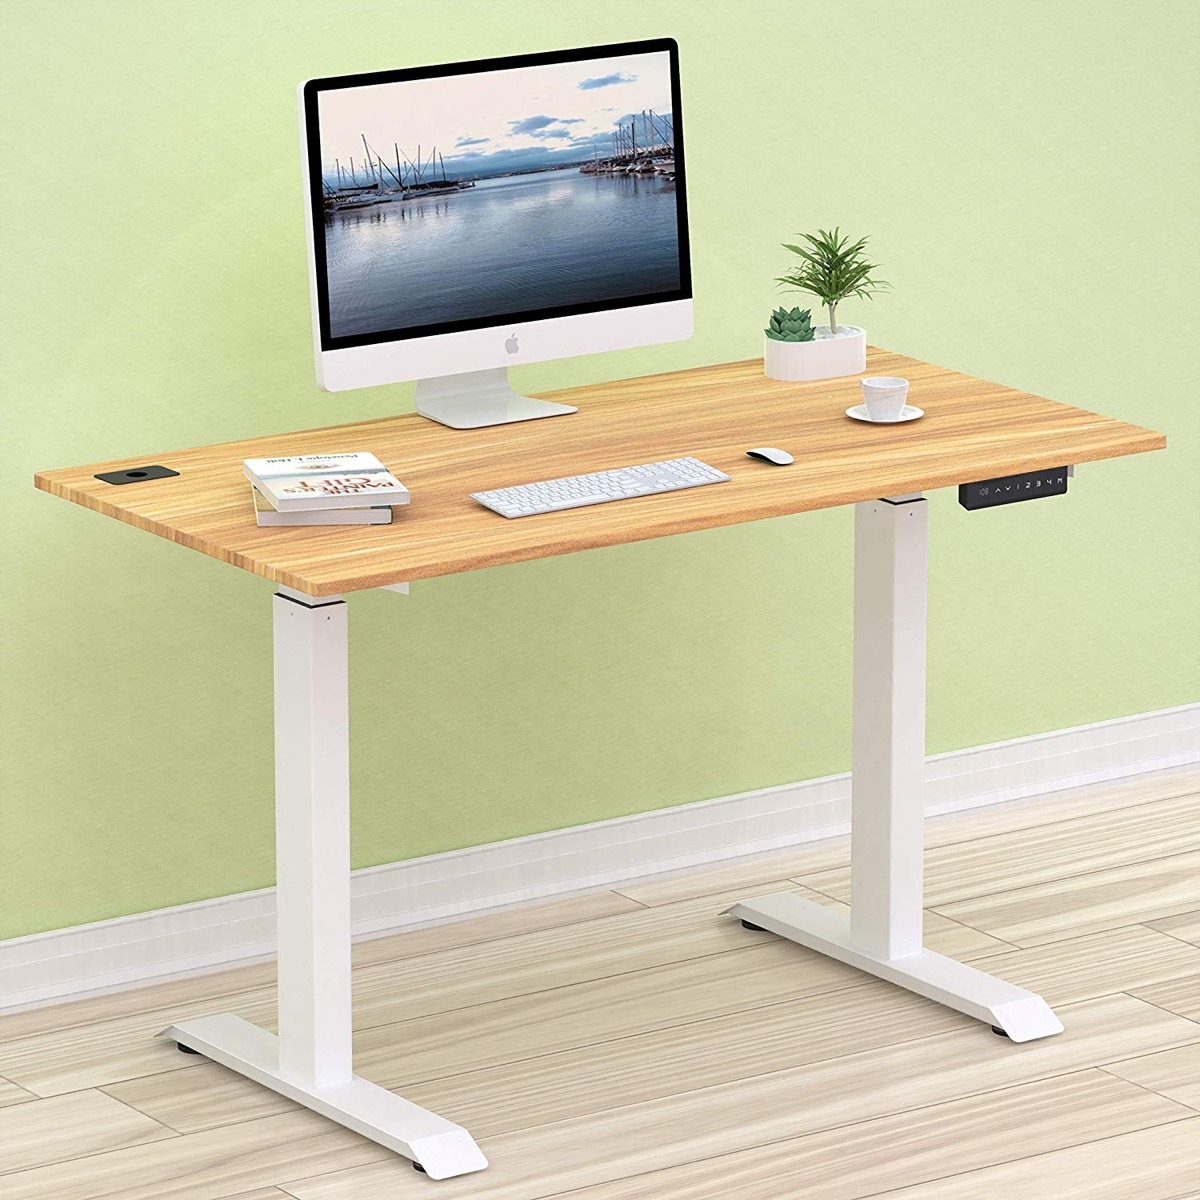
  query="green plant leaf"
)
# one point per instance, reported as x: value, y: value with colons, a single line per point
x: 793, y: 326
x: 832, y: 267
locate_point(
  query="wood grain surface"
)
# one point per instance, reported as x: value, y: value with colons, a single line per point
x: 1172, y: 1073
x: 1185, y: 926
x: 944, y: 1139
x: 666, y: 1053
x: 11, y: 1094
x: 1180, y: 996
x: 1149, y: 1164
x: 85, y: 1123
x: 759, y: 871
x: 972, y: 430
x: 1105, y: 899
x: 549, y: 1155
x: 983, y: 866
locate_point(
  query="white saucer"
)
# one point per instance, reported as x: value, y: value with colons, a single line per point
x: 909, y: 413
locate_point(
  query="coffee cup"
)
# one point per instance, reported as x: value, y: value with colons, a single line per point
x: 884, y: 396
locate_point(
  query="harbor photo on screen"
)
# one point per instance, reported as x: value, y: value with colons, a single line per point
x: 498, y: 193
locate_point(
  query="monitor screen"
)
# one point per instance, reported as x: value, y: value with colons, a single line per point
x: 469, y: 195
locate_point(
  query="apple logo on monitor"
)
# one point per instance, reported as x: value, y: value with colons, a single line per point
x: 511, y: 344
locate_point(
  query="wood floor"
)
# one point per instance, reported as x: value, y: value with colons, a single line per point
x: 635, y: 1045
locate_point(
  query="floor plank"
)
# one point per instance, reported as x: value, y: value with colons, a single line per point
x: 448, y: 935
x: 1172, y: 1073
x: 944, y: 1139
x: 112, y: 1051
x: 1181, y: 996
x: 188, y: 992
x: 1005, y: 862
x: 940, y: 933
x: 11, y: 1094
x: 551, y: 1158
x: 1072, y: 907
x: 556, y: 1021
x: 205, y: 1096
x: 1097, y: 964
x: 47, y: 1131
x: 766, y: 972
x: 1185, y: 926
x: 90, y: 1056
x: 530, y: 1087
x: 488, y: 927
x: 944, y: 830
x: 613, y: 1043
x: 202, y: 1166
x: 1151, y: 1164
x: 532, y: 960
x: 1046, y: 808
x: 589, y: 1079
x: 751, y: 872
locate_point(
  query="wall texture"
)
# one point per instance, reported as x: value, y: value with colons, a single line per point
x: 1028, y: 173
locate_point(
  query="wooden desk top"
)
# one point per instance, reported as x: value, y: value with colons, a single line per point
x: 972, y: 430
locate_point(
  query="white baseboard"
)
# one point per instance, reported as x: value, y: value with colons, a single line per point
x: 67, y: 963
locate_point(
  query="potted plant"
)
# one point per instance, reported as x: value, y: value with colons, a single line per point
x: 831, y: 268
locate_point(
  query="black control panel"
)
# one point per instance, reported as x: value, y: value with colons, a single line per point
x: 987, y: 493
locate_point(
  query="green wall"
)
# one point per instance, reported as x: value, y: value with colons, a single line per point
x: 1029, y: 175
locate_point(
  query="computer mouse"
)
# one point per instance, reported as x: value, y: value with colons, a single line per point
x: 768, y: 454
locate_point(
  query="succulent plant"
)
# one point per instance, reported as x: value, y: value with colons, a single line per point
x: 794, y: 326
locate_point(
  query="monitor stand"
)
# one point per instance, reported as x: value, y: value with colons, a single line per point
x: 478, y: 398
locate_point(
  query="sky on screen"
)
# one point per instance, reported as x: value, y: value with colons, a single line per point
x: 496, y: 120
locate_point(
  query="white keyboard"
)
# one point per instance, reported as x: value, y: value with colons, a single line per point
x: 578, y: 491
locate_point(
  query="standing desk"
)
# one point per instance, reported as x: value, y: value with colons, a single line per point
x: 972, y: 430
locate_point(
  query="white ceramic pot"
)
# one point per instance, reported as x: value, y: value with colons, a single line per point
x: 825, y: 357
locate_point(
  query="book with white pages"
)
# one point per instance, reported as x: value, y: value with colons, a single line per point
x: 267, y: 514
x: 311, y: 482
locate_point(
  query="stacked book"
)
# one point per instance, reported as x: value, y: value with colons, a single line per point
x: 323, y: 489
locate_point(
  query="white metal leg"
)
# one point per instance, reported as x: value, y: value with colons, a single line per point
x: 312, y: 841
x: 883, y: 934
x: 887, y: 793
x: 311, y: 1059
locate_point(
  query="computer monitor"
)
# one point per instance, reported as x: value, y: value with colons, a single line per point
x: 474, y: 215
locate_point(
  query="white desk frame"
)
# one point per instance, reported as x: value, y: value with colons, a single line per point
x: 883, y: 933
x: 310, y: 1061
